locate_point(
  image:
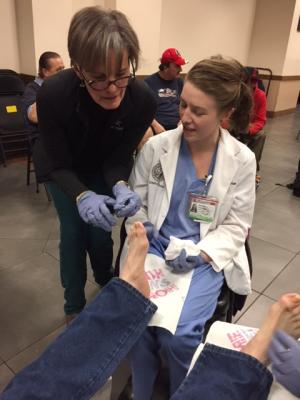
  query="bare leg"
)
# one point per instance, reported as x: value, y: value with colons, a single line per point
x: 279, y: 316
x: 133, y: 270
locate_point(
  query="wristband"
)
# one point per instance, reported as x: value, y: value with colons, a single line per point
x: 80, y: 195
x: 124, y: 182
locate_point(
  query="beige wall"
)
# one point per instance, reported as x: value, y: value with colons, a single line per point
x: 51, y: 20
x: 9, y: 54
x: 145, y: 17
x: 270, y: 34
x: 201, y: 28
x: 25, y: 36
x: 292, y: 59
x: 197, y: 27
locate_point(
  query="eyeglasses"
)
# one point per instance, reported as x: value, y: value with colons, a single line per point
x: 102, y: 84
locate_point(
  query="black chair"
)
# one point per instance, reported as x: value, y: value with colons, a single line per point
x: 14, y: 135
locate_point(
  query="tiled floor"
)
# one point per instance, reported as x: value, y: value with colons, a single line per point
x: 31, y: 297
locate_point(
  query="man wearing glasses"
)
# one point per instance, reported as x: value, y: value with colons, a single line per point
x: 91, y: 119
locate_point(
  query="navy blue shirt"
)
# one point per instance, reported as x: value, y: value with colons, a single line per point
x: 167, y: 94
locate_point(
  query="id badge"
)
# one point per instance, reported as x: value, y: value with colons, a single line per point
x: 202, y: 208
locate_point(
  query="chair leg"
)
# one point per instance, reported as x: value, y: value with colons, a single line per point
x: 28, y: 167
x: 47, y: 192
x: 3, y: 154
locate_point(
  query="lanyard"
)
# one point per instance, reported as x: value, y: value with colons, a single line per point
x: 209, y: 176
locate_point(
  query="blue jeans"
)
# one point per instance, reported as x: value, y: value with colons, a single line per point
x: 86, y: 354
x: 83, y: 357
x: 178, y: 349
x: 223, y: 374
x: 76, y: 240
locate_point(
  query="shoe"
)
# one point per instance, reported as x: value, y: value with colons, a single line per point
x: 257, y: 181
x: 69, y: 318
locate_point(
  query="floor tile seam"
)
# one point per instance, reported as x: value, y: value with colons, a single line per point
x: 10, y: 238
x: 24, y: 260
x: 6, y: 361
x: 265, y: 195
x: 8, y: 367
x: 50, y: 255
x: 22, y: 238
x: 293, y: 253
x: 269, y: 297
x: 48, y: 238
x: 247, y: 308
x: 270, y: 207
x: 279, y: 273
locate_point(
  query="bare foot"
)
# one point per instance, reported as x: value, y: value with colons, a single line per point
x: 279, y: 316
x: 290, y: 322
x: 133, y: 270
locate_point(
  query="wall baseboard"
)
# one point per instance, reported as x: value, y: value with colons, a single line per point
x: 272, y: 114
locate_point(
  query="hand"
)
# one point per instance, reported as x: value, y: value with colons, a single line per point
x: 94, y: 209
x: 127, y: 202
x: 184, y: 263
x: 284, y: 354
x: 151, y: 231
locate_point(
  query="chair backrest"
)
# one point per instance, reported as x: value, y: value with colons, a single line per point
x: 11, y: 114
x: 10, y: 82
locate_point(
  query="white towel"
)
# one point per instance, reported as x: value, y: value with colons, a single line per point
x: 176, y: 245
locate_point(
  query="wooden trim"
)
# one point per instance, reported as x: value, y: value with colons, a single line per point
x: 280, y: 77
x: 272, y: 114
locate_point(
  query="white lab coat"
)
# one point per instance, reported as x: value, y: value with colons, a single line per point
x: 233, y: 184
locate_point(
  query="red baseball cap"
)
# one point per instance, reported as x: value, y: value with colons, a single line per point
x: 172, y: 55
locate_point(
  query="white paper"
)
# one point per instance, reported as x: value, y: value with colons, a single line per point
x: 168, y: 291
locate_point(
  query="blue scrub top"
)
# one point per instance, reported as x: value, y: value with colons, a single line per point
x: 177, y: 223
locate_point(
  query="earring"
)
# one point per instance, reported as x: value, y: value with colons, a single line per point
x: 81, y: 84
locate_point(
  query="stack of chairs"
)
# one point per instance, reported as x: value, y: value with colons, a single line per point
x: 14, y: 133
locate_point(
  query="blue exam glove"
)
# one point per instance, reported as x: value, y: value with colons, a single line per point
x: 127, y: 202
x: 151, y: 231
x: 284, y: 354
x: 184, y: 263
x: 94, y: 209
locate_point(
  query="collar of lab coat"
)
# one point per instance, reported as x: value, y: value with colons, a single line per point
x: 225, y: 167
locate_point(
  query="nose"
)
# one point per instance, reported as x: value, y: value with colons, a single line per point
x: 112, y: 88
x: 185, y: 115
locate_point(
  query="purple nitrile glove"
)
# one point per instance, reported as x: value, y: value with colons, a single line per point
x: 184, y: 263
x: 151, y: 231
x: 127, y: 202
x: 94, y: 209
x: 284, y: 353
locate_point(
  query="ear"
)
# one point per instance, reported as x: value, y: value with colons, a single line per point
x: 44, y: 72
x: 227, y: 114
x: 77, y: 71
x: 225, y: 118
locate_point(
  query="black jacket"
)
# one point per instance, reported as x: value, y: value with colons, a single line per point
x: 28, y: 98
x: 78, y: 137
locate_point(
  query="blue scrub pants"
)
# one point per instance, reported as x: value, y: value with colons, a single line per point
x: 76, y: 240
x: 178, y: 349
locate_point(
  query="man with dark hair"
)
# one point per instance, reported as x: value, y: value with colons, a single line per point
x: 167, y: 87
x: 49, y: 64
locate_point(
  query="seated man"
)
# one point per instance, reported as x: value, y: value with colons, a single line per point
x: 167, y: 87
x: 85, y: 355
x: 49, y: 64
